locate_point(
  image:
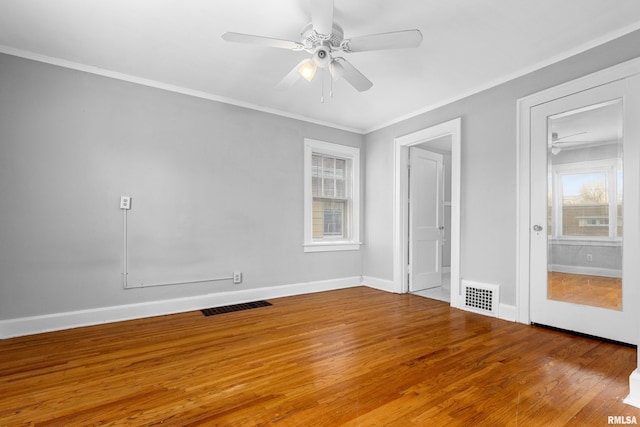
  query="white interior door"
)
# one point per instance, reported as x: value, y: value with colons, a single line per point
x: 425, y: 219
x: 585, y: 195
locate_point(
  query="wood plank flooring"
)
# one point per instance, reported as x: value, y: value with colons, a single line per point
x: 597, y: 291
x: 353, y: 357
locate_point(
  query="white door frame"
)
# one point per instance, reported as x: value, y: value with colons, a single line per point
x: 523, y: 233
x: 621, y: 71
x: 400, y: 211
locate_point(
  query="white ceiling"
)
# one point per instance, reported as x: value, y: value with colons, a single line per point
x: 468, y: 45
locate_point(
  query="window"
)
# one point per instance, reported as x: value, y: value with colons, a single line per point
x: 588, y: 200
x: 331, y: 197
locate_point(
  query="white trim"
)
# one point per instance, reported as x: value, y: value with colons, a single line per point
x: 588, y: 271
x: 522, y: 72
x: 585, y: 241
x: 504, y: 312
x: 401, y: 144
x: 312, y: 146
x: 166, y: 86
x: 74, y: 319
x: 507, y: 312
x: 330, y: 247
x: 524, y: 105
x: 380, y: 284
x: 633, y: 398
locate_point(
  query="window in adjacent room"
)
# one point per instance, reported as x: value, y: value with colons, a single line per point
x: 589, y: 200
x: 331, y: 196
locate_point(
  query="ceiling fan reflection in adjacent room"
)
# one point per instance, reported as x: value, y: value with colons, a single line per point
x: 559, y: 142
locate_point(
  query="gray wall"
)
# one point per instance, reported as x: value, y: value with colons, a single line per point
x: 488, y: 182
x: 215, y: 188
x: 566, y: 257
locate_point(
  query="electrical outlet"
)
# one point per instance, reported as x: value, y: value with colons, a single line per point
x: 237, y: 277
x: 125, y: 202
x: 589, y: 257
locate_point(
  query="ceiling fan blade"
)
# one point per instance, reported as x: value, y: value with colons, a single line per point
x: 322, y: 16
x: 394, y: 40
x: 556, y: 138
x: 353, y: 76
x: 571, y: 143
x: 336, y: 70
x: 262, y: 41
x: 293, y: 76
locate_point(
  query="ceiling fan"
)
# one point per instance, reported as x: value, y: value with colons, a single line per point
x: 558, y: 143
x: 323, y: 39
x: 557, y: 139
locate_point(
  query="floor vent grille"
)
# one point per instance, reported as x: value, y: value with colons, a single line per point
x: 481, y: 297
x: 236, y: 307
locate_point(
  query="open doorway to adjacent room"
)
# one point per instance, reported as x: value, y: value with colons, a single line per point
x: 427, y: 212
x: 430, y: 201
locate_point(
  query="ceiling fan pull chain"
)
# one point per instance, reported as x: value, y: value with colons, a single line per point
x: 322, y: 89
x: 330, y: 86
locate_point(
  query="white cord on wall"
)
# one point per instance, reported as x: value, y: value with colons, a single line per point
x: 125, y: 205
x: 125, y: 256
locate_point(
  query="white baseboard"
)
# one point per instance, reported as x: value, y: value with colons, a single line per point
x: 74, y: 319
x: 589, y: 271
x: 505, y: 312
x: 380, y: 284
x: 634, y: 390
x: 508, y: 312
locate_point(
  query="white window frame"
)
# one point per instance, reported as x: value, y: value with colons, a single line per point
x: 311, y: 147
x: 609, y: 167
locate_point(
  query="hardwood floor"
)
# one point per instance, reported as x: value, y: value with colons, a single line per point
x: 597, y: 291
x: 353, y: 357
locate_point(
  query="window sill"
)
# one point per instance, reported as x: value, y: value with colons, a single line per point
x: 331, y: 246
x: 585, y: 241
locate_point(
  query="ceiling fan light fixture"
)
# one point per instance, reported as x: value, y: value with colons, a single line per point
x: 336, y: 69
x: 308, y: 70
x: 322, y: 56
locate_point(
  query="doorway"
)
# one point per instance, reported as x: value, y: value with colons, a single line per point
x: 445, y: 137
x: 579, y: 151
x: 430, y: 219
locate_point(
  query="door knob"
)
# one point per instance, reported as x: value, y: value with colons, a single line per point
x: 537, y: 227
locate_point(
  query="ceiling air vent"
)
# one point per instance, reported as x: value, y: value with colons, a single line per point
x: 481, y: 298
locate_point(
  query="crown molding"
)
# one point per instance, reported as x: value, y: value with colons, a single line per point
x: 512, y: 76
x: 166, y: 86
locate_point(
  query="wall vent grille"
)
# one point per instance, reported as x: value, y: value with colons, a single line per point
x: 481, y: 297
